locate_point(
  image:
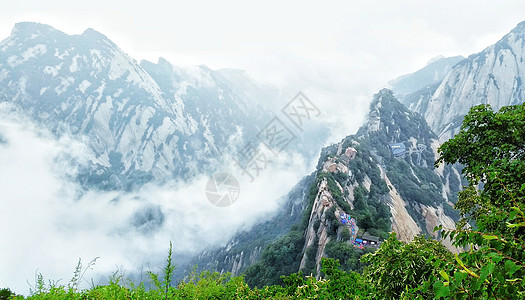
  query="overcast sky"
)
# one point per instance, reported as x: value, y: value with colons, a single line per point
x: 337, y: 52
x: 392, y: 37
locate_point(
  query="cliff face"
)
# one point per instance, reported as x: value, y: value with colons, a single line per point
x: 378, y: 180
x: 246, y: 247
x: 428, y: 76
x: 389, y: 174
x: 140, y: 122
x: 154, y: 121
x: 402, y: 222
x: 321, y: 227
x: 493, y: 76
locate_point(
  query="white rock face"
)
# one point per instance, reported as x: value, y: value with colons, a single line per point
x: 402, y: 223
x: 150, y: 121
x: 493, y: 76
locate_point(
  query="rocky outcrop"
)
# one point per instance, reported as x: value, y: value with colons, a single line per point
x: 362, y: 191
x: 322, y: 203
x: 493, y: 76
x: 402, y: 222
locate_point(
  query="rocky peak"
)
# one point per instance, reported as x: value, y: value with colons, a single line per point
x: 434, y: 72
x: 520, y: 27
x: 493, y: 76
x: 30, y: 29
x: 139, y: 125
x: 91, y: 33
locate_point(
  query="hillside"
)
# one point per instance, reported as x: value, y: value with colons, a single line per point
x: 430, y: 75
x: 493, y: 76
x: 141, y: 122
x: 361, y: 190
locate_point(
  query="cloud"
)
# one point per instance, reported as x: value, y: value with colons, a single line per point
x: 338, y: 54
x: 48, y: 221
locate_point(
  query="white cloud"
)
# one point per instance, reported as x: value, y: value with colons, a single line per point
x: 338, y: 53
x: 48, y: 221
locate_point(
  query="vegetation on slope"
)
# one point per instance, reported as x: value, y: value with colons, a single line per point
x: 491, y: 146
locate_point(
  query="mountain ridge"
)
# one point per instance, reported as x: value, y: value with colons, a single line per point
x: 143, y: 122
x: 379, y: 191
x: 493, y: 76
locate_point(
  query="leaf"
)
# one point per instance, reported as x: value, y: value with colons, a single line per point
x: 441, y: 290
x: 496, y: 258
x: 509, y: 225
x: 465, y: 268
x: 490, y: 267
x: 486, y: 271
x: 459, y: 276
x: 444, y: 275
x: 511, y: 267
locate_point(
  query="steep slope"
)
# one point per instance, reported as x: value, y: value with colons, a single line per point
x: 245, y: 248
x: 493, y: 76
x: 378, y: 180
x: 432, y: 73
x: 141, y: 122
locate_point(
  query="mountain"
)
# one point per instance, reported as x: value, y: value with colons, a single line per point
x: 378, y: 180
x: 245, y: 248
x: 142, y: 122
x: 493, y: 76
x: 434, y: 72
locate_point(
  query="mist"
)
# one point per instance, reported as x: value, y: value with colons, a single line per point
x: 49, y: 221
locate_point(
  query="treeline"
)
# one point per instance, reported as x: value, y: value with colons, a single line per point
x: 490, y: 233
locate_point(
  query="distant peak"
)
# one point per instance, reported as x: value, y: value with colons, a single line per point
x: 385, y: 91
x: 520, y: 28
x: 163, y: 61
x: 435, y: 59
x: 26, y: 28
x: 92, y: 33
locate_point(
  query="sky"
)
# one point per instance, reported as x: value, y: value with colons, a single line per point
x: 258, y: 35
x: 339, y: 53
x: 336, y: 52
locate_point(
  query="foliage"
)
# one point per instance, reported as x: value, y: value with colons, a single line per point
x: 345, y: 234
x: 491, y: 232
x: 344, y: 285
x: 165, y: 284
x: 491, y: 146
x: 397, y: 266
x: 279, y: 258
x: 371, y: 215
x: 311, y: 253
x: 213, y: 285
x: 346, y: 254
x: 6, y: 293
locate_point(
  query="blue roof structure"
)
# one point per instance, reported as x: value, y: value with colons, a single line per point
x: 397, y: 149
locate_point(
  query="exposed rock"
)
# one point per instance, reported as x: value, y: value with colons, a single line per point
x: 493, y: 76
x: 402, y: 223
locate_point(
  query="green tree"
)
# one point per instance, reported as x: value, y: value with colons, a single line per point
x: 165, y: 284
x: 398, y: 267
x: 341, y: 284
x: 491, y: 146
x: 6, y: 293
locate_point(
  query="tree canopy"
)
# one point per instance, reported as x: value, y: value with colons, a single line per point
x: 491, y: 146
x: 491, y: 234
